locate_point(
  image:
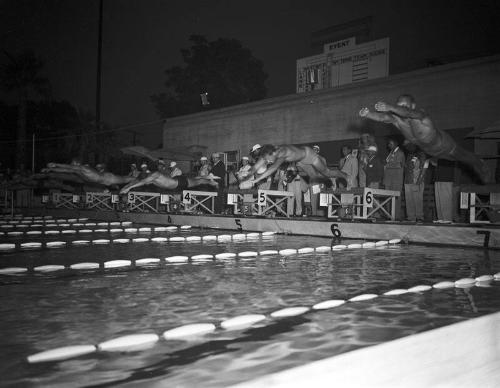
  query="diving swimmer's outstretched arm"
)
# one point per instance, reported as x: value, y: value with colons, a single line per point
x: 270, y: 170
x: 142, y: 182
x: 377, y: 116
x: 401, y: 111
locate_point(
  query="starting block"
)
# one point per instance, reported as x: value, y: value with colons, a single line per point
x: 272, y: 200
x: 203, y: 201
x: 243, y: 203
x: 361, y: 203
x: 101, y: 201
x: 144, y: 202
x: 483, y: 204
x: 66, y: 200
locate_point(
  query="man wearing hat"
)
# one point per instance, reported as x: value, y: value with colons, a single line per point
x: 205, y: 167
x: 144, y: 172
x: 219, y: 170
x: 245, y: 168
x: 174, y: 170
x: 373, y: 168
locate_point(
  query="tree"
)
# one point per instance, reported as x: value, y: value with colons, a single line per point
x: 223, y: 69
x: 21, y: 75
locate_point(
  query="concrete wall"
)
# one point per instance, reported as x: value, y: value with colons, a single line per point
x: 460, y: 95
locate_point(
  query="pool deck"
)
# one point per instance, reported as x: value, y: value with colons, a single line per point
x: 465, y: 354
x: 463, y: 235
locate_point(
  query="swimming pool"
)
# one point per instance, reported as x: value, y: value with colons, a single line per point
x: 45, y: 310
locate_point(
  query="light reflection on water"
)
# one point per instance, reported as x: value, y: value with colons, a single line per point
x: 41, y: 312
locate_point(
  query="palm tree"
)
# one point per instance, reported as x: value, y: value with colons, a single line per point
x: 21, y: 75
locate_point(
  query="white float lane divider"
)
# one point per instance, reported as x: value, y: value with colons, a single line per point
x: 188, y: 331
x: 121, y: 240
x: 339, y: 247
x: 177, y: 259
x: 239, y: 236
x: 248, y: 254
x: 31, y: 245
x: 193, y: 238
x: 159, y: 239
x: 397, y: 291
x: 225, y: 255
x: 48, y: 268
x: 62, y: 353
x: 420, y: 288
x: 305, y: 250
x: 363, y: 297
x: 55, y: 244
x: 268, y: 252
x: 13, y: 270
x: 117, y: 263
x: 287, y: 252
x: 323, y: 248
x: 209, y: 237
x: 100, y: 241
x: 202, y: 257
x: 84, y: 266
x: 185, y: 227
x: 140, y: 239
x: 129, y: 343
x: 328, y: 304
x: 147, y: 261
x: 130, y: 230
x: 80, y: 242
x: 289, y: 312
x: 242, y: 321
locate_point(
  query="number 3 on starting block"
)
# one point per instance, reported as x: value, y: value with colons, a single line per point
x: 131, y: 198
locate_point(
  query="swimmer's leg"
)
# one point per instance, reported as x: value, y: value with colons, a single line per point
x: 475, y: 163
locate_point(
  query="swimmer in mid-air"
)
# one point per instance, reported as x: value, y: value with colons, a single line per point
x: 163, y: 181
x: 89, y: 174
x: 306, y: 159
x: 417, y: 127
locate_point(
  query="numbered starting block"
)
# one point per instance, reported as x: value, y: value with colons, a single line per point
x: 101, y: 201
x: 360, y: 203
x: 483, y: 204
x: 143, y: 202
x: 243, y: 203
x: 199, y: 201
x: 66, y: 200
x: 275, y: 202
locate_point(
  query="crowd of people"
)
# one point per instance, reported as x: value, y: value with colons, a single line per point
x: 301, y: 170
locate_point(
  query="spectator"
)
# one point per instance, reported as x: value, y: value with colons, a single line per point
x: 415, y: 168
x: 144, y: 171
x: 174, y: 170
x: 244, y: 170
x: 349, y: 166
x: 394, y: 172
x: 205, y: 167
x: 219, y: 170
x: 134, y: 172
x: 296, y: 185
x: 373, y: 168
x: 315, y: 189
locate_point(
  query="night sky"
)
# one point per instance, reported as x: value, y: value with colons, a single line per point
x: 143, y: 38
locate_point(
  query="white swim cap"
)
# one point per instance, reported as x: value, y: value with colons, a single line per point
x: 203, y: 158
x: 173, y: 164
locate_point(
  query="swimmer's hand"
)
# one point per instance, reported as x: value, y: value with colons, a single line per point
x: 124, y: 190
x: 364, y: 112
x: 246, y: 185
x: 382, y: 107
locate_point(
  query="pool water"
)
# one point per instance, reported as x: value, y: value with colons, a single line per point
x: 45, y: 311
